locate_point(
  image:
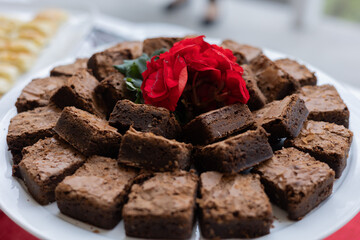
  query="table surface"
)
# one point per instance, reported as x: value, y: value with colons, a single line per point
x: 10, y: 231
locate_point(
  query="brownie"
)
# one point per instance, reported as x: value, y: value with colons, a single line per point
x: 327, y: 142
x: 27, y: 128
x: 150, y: 45
x: 218, y: 124
x: 233, y: 206
x: 151, y: 152
x: 45, y: 164
x: 236, y: 153
x: 112, y: 89
x: 102, y: 63
x: 144, y: 118
x: 162, y: 207
x: 257, y: 99
x: 273, y: 82
x: 38, y: 93
x: 70, y: 69
x: 79, y: 91
x: 96, y: 192
x: 88, y: 133
x: 295, y: 181
x: 283, y: 118
x: 325, y: 104
x: 298, y: 71
x: 244, y: 53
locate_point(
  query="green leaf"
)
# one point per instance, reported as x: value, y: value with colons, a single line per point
x: 135, y: 67
x: 158, y: 52
x: 121, y: 68
x: 133, y: 71
x: 141, y: 62
x: 130, y: 86
x: 139, y: 98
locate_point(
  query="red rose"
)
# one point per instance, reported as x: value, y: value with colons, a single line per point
x: 214, y: 76
x: 164, y: 81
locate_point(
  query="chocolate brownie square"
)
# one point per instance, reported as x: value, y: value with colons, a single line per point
x: 96, y: 192
x: 150, y: 45
x: 88, y: 133
x: 79, y: 91
x: 327, y: 142
x: 102, y: 63
x: 233, y: 206
x: 283, y: 118
x: 243, y: 53
x: 70, y: 69
x: 236, y: 153
x: 27, y: 128
x: 144, y: 118
x: 218, y: 124
x: 273, y: 82
x: 38, y: 93
x: 298, y: 71
x: 295, y: 181
x: 257, y: 99
x: 151, y: 152
x: 112, y: 89
x: 45, y: 164
x: 325, y: 104
x: 162, y: 207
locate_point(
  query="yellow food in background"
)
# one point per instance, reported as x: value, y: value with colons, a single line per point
x: 32, y: 35
x: 8, y: 71
x: 22, y: 61
x: 21, y: 42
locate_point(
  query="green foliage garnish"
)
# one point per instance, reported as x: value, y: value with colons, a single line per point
x: 133, y: 69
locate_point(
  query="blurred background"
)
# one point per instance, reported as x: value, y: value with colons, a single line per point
x: 325, y: 33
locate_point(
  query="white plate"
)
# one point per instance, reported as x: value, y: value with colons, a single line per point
x: 47, y: 222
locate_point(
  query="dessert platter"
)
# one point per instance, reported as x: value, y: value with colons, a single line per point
x: 177, y: 138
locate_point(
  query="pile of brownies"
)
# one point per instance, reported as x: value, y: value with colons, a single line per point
x: 77, y: 139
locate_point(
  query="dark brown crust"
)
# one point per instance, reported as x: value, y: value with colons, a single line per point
x: 41, y: 183
x: 243, y: 53
x: 327, y: 142
x: 102, y: 63
x: 158, y: 227
x: 283, y: 118
x: 38, y: 93
x: 295, y: 181
x: 152, y: 152
x: 27, y: 128
x: 69, y: 69
x: 247, y: 228
x: 325, y: 104
x: 79, y: 91
x: 236, y: 153
x: 218, y: 124
x: 141, y: 222
x: 76, y: 199
x: 273, y: 82
x: 144, y: 118
x: 88, y: 133
x: 112, y: 89
x: 257, y: 99
x: 150, y: 45
x: 298, y: 71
